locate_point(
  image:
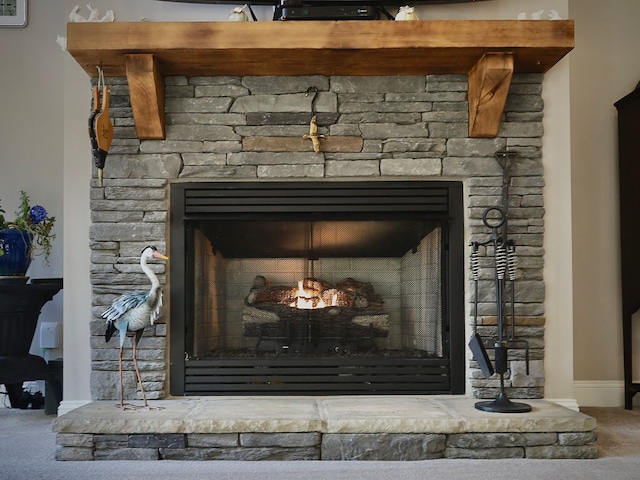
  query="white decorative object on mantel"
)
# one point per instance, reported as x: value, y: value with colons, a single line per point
x: 406, y: 13
x: 537, y: 15
x: 553, y: 15
x: 94, y: 16
x: 238, y: 15
x: 62, y: 41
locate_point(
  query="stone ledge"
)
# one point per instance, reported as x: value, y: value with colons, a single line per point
x: 327, y: 428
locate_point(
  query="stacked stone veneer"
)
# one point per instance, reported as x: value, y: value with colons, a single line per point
x: 328, y: 446
x: 251, y: 128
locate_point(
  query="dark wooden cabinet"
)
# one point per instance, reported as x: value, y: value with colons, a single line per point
x: 20, y: 306
x: 629, y: 173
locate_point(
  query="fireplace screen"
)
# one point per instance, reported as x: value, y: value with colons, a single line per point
x: 295, y: 288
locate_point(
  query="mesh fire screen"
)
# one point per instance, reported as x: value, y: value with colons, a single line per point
x: 342, y: 295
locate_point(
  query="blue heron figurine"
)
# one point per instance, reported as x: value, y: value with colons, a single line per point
x: 132, y: 312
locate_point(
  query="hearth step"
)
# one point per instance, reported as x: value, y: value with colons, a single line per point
x: 412, y: 427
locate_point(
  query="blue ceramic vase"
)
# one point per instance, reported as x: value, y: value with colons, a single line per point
x: 15, y: 252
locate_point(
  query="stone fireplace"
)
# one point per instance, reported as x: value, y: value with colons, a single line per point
x: 377, y: 130
x: 321, y: 104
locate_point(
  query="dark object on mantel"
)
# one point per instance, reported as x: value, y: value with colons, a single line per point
x: 323, y: 2
x: 20, y: 306
x: 629, y: 172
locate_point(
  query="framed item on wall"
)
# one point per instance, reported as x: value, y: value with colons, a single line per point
x: 13, y: 13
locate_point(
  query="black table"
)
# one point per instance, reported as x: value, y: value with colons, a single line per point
x: 20, y: 306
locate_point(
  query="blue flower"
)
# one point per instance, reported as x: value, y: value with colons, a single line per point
x: 37, y: 214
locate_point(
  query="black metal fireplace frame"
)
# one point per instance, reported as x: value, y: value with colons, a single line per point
x: 438, y: 200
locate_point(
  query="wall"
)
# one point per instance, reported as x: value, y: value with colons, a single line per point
x: 31, y: 129
x: 604, y: 69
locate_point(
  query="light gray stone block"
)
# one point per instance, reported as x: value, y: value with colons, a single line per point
x: 284, y: 84
x: 485, y: 453
x: 499, y: 440
x: 127, y: 454
x: 353, y: 84
x: 382, y: 446
x: 577, y: 438
x: 284, y: 171
x: 231, y: 119
x: 556, y: 451
x: 158, y: 440
x: 111, y: 441
x: 74, y: 454
x: 220, y: 91
x: 306, y: 439
x: 241, y: 454
x: 405, y: 166
x: 357, y: 168
x: 217, y: 80
x: 198, y: 105
x: 209, y: 440
x: 387, y: 131
x: 474, y: 147
x: 74, y: 440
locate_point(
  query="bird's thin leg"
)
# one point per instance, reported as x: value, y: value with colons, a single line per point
x: 121, y: 383
x: 122, y: 405
x: 135, y: 364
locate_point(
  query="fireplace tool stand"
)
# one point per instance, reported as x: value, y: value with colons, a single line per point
x: 504, y: 257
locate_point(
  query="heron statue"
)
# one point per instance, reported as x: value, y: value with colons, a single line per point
x: 132, y: 312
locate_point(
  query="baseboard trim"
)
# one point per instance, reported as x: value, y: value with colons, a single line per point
x: 604, y: 393
x: 67, y: 405
x: 570, y: 403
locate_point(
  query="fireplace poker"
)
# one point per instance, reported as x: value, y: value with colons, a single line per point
x: 500, y: 266
x: 511, y: 271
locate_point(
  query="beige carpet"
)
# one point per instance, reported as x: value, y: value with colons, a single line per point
x: 618, y: 431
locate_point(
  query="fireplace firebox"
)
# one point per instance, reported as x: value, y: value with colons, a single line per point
x: 317, y: 288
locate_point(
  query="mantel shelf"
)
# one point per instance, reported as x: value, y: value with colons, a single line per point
x: 490, y: 51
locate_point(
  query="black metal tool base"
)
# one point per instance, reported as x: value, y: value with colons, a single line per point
x: 502, y: 404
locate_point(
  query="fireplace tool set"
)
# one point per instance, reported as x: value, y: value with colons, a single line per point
x: 504, y: 253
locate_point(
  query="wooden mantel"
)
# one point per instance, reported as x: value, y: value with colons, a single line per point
x: 489, y: 51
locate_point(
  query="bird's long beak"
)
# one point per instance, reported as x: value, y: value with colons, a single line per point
x: 160, y: 256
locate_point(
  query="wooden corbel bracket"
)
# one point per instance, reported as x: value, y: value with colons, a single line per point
x: 146, y: 92
x: 489, y: 82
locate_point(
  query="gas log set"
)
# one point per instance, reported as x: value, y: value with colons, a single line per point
x: 314, y: 316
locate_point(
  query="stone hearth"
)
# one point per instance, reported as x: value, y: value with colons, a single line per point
x: 322, y: 428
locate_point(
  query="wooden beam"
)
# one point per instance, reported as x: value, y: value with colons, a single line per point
x: 489, y: 82
x: 341, y: 47
x: 146, y: 91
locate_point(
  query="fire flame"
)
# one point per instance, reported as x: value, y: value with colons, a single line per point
x: 307, y: 301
